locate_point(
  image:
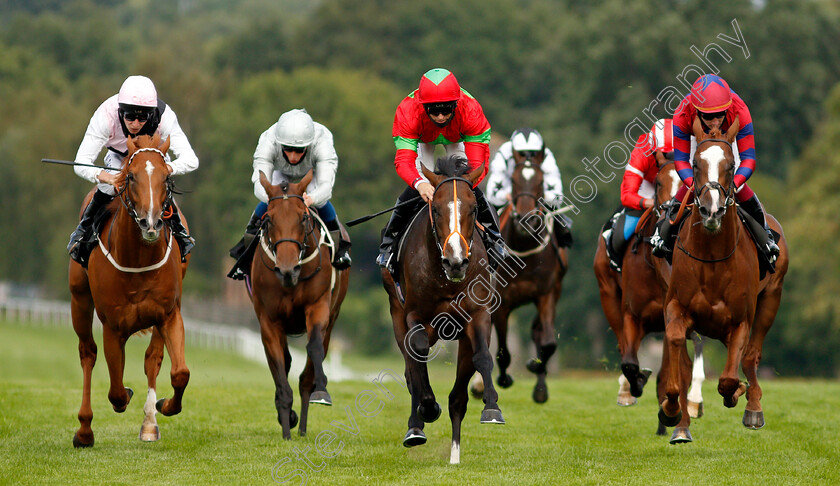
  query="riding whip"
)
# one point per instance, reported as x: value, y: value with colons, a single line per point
x: 371, y: 216
x: 68, y: 162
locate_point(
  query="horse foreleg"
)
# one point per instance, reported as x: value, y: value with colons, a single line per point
x: 424, y: 407
x: 545, y: 342
x: 625, y: 398
x: 698, y: 375
x: 681, y: 431
x: 458, y: 397
x: 633, y: 333
x: 478, y: 334
x: 173, y: 335
x: 279, y: 361
x: 729, y: 385
x: 500, y: 322
x: 149, y: 430
x: 675, y: 332
x: 81, y: 306
x: 317, y: 318
x: 114, y: 344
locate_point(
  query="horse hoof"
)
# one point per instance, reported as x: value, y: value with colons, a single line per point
x: 78, y: 444
x: 681, y: 435
x: 321, y: 398
x: 753, y: 420
x: 505, y: 381
x: 293, y: 419
x: 636, y: 378
x: 540, y: 394
x: 535, y: 366
x: 492, y: 416
x: 661, y: 429
x: 122, y: 409
x: 149, y: 434
x: 414, y: 437
x: 695, y: 409
x: 159, y: 405
x: 429, y: 416
x: 626, y: 399
x: 669, y: 421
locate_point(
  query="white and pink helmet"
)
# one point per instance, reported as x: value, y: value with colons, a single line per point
x: 138, y: 91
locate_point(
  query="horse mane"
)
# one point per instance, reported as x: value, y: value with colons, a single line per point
x: 452, y: 165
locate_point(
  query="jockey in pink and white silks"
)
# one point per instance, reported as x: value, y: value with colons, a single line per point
x: 286, y: 151
x: 135, y: 110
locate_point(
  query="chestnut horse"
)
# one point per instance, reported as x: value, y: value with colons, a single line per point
x: 715, y: 288
x: 133, y: 282
x: 295, y: 290
x: 448, y: 290
x: 534, y: 273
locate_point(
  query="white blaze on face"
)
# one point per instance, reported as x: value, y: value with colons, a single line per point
x: 675, y: 184
x: 455, y: 241
x: 528, y: 173
x: 150, y: 168
x: 713, y: 156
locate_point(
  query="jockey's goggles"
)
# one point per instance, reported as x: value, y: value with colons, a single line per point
x: 436, y: 109
x: 529, y: 154
x: 141, y: 116
x: 712, y: 116
x: 297, y: 150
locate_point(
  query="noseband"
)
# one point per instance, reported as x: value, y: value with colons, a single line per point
x: 456, y: 231
x: 303, y: 246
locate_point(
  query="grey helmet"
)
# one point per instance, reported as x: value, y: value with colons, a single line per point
x: 295, y: 129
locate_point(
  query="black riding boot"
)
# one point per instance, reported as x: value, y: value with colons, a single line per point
x: 83, y: 233
x: 753, y: 207
x: 662, y: 236
x: 341, y: 259
x: 492, y: 235
x: 251, y: 231
x: 185, y: 241
x: 399, y: 220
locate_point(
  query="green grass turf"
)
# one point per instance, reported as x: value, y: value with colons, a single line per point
x: 227, y: 432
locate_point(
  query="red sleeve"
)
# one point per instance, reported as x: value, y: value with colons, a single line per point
x: 406, y: 135
x: 475, y: 132
x: 634, y: 174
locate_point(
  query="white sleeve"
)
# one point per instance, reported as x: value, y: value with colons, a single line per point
x: 498, y: 181
x: 552, y: 182
x: 96, y: 136
x: 264, y: 162
x: 185, y: 158
x: 325, y: 163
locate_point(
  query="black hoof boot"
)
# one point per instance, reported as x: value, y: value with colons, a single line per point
x: 505, y: 381
x: 293, y: 419
x: 540, y: 394
x: 669, y: 421
x: 429, y: 415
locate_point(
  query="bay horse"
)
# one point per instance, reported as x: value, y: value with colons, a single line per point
x: 534, y: 274
x: 133, y: 282
x: 295, y: 290
x: 716, y: 288
x: 632, y: 300
x: 448, y: 293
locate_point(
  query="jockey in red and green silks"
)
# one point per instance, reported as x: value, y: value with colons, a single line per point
x: 717, y: 106
x: 438, y: 112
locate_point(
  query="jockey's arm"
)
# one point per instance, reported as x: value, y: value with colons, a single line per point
x: 263, y: 162
x: 185, y: 159
x: 552, y: 181
x: 498, y: 180
x: 325, y: 166
x: 96, y: 136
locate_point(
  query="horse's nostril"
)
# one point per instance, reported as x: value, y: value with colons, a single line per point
x: 159, y: 224
x: 144, y: 225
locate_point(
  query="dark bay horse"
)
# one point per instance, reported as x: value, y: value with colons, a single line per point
x: 448, y: 291
x: 533, y: 274
x: 133, y: 282
x: 295, y: 290
x: 715, y: 288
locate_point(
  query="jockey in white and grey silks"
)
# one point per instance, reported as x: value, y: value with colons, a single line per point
x: 135, y: 110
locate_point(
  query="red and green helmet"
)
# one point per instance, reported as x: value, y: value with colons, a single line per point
x: 438, y: 86
x: 711, y: 94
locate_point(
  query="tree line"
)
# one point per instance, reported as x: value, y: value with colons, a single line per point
x: 578, y: 71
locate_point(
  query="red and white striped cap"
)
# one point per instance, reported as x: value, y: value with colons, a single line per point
x: 662, y: 135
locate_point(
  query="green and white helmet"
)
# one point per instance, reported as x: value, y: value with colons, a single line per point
x: 295, y: 129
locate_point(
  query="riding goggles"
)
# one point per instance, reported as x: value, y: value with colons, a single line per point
x: 529, y: 154
x: 712, y: 116
x: 141, y: 116
x: 436, y: 109
x: 297, y: 150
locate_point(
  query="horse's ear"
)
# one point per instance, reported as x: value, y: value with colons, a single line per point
x: 474, y: 175
x: 434, y: 179
x: 265, y: 183
x: 300, y: 187
x: 164, y: 147
x: 733, y: 130
x: 660, y: 158
x: 129, y: 142
x: 697, y: 129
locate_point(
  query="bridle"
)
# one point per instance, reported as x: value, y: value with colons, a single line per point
x: 128, y: 204
x: 456, y: 231
x: 270, y: 248
x: 709, y: 185
x: 528, y: 164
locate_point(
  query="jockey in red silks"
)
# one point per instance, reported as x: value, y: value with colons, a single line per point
x: 438, y: 112
x: 717, y: 106
x: 637, y: 187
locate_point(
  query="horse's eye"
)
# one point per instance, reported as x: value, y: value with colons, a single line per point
x: 130, y: 176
